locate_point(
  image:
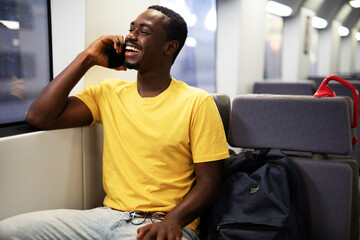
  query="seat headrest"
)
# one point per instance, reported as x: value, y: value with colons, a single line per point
x: 305, y: 87
x: 341, y: 90
x: 294, y: 123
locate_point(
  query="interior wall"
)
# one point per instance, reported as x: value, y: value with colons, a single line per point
x: 335, y: 48
x: 357, y: 58
x: 296, y: 46
x: 41, y: 170
x: 329, y: 49
x: 227, y: 55
x: 251, y: 43
x: 347, y: 53
x: 68, y: 34
x: 92, y: 166
x: 240, y: 50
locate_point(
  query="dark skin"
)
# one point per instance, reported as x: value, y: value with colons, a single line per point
x: 152, y: 59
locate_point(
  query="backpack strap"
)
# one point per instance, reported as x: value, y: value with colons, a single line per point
x: 262, y: 153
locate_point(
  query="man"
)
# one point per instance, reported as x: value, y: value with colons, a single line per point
x: 162, y: 140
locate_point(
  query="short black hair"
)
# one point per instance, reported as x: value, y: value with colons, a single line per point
x: 177, y: 27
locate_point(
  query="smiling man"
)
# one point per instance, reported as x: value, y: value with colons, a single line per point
x: 163, y: 140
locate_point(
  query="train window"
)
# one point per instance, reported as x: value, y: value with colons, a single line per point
x: 195, y: 64
x: 25, y: 58
x: 273, y: 46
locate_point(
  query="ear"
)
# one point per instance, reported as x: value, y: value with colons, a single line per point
x: 171, y: 47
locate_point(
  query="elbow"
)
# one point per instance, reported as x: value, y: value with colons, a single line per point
x: 35, y: 120
x: 31, y: 119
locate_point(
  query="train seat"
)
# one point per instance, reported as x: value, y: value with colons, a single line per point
x: 223, y: 104
x: 308, y: 131
x: 307, y: 87
x: 341, y: 90
x: 304, y: 87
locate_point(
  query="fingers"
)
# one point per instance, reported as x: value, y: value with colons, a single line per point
x: 113, y: 40
x: 100, y: 51
x: 118, y: 41
x: 149, y: 232
x: 158, y: 232
x: 142, y: 231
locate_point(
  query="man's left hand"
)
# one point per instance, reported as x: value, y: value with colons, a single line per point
x: 160, y: 231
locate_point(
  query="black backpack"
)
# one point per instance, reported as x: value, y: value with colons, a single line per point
x: 262, y: 197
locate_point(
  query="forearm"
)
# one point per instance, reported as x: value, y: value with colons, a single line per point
x: 52, y: 100
x: 195, y: 203
x: 204, y: 193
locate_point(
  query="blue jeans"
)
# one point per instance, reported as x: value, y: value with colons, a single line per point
x: 97, y: 223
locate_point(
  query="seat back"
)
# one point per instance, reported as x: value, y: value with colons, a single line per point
x: 341, y: 90
x: 224, y: 106
x: 298, y: 123
x: 308, y: 129
x: 317, y: 79
x: 305, y: 87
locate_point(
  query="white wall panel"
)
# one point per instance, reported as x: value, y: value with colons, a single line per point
x: 68, y: 34
x: 92, y: 154
x: 41, y: 170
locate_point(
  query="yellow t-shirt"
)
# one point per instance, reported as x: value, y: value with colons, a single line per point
x: 151, y: 144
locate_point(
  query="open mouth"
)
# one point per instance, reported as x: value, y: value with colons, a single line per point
x: 132, y: 49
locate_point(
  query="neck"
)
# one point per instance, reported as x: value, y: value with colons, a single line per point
x: 151, y: 85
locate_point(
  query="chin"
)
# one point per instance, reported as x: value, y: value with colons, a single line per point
x: 131, y: 65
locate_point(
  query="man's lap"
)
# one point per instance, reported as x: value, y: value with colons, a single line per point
x: 97, y: 223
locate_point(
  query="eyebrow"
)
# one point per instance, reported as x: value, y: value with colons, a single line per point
x: 142, y: 25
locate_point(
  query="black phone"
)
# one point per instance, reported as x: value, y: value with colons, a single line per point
x: 115, y: 60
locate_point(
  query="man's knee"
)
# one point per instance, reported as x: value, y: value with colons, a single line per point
x: 9, y: 229
x: 21, y: 226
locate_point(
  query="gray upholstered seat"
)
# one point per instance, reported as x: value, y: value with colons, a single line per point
x: 299, y: 123
x: 224, y: 106
x: 341, y: 90
x: 305, y: 87
x: 308, y: 129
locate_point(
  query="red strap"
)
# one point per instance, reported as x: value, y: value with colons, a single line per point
x: 325, y: 91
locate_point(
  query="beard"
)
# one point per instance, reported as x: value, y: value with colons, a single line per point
x: 131, y: 65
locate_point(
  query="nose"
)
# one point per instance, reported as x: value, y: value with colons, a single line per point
x: 131, y: 36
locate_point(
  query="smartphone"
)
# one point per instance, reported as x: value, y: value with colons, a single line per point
x: 115, y: 60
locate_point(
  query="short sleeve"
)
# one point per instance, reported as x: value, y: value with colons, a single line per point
x: 208, y: 139
x: 89, y: 97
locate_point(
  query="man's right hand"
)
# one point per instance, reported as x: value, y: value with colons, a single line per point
x: 98, y: 49
x: 53, y: 108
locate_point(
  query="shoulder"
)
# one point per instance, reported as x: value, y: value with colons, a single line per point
x: 191, y: 93
x: 113, y: 83
x: 109, y: 85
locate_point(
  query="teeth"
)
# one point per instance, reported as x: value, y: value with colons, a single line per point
x: 132, y: 49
